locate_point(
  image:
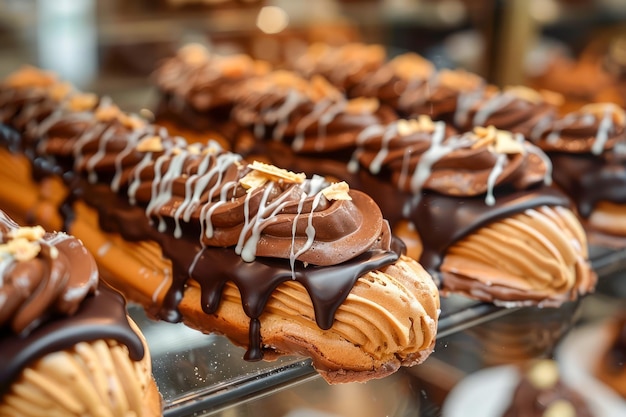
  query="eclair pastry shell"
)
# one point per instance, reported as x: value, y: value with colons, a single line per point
x: 388, y: 320
x: 537, y: 257
x: 92, y: 379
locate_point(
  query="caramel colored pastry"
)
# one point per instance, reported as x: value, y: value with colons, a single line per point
x: 278, y: 262
x: 542, y: 393
x: 611, y: 365
x: 68, y: 347
x: 587, y: 151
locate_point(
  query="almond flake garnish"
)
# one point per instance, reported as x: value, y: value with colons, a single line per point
x: 278, y: 174
x: 150, y: 144
x: 130, y: 121
x: 337, y: 191
x: 107, y: 113
x: 501, y: 141
x: 59, y: 91
x: 194, y: 54
x: 601, y: 109
x: 253, y: 180
x: 30, y: 77
x: 506, y: 143
x: 422, y: 124
x: 525, y: 93
x: 29, y: 233
x: 485, y: 136
x: 194, y: 149
x: 21, y: 249
x: 82, y: 102
x: 24, y: 244
x: 362, y: 105
x: 410, y: 66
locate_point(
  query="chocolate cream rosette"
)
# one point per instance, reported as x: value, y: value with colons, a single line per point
x: 280, y: 263
x: 402, y: 73
x: 344, y: 66
x: 308, y: 115
x: 480, y: 210
x: 516, y: 109
x: 67, y: 347
x: 441, y: 96
x: 197, y: 90
x: 588, y: 151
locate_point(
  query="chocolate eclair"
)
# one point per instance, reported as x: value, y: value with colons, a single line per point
x: 588, y: 151
x: 279, y: 262
x: 67, y: 346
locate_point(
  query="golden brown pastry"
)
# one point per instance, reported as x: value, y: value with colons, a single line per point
x: 67, y: 346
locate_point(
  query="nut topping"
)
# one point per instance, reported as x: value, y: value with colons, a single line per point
x: 337, y: 191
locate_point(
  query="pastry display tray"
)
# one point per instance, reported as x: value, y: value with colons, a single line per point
x: 200, y: 374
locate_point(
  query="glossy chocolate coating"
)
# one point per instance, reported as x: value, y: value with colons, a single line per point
x: 50, y: 301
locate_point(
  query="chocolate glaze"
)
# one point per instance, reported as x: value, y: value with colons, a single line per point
x: 443, y: 220
x: 100, y: 316
x: 50, y: 301
x: 589, y: 180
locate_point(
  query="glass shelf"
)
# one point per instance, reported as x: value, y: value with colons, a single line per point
x: 201, y: 374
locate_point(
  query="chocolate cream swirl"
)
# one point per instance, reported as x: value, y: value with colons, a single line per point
x: 310, y: 115
x: 210, y: 80
x: 424, y: 155
x: 588, y: 150
x: 516, y: 109
x: 43, y: 275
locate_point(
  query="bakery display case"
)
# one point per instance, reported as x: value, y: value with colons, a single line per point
x: 120, y: 44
